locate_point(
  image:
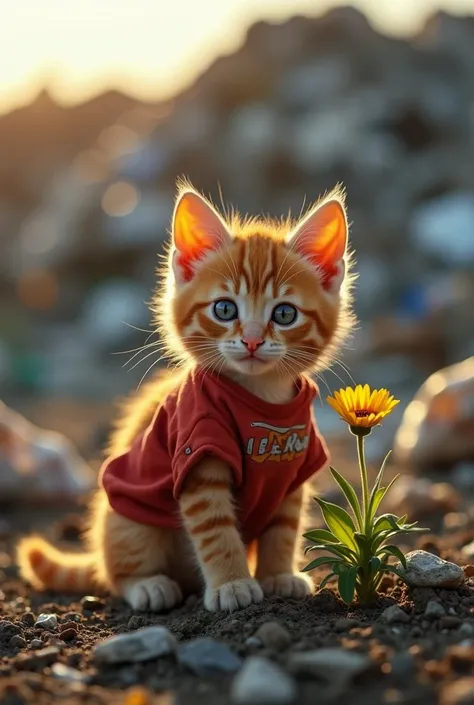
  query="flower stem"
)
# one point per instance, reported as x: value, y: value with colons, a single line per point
x: 363, y: 477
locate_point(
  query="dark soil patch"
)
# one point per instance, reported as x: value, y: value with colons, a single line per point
x: 413, y: 662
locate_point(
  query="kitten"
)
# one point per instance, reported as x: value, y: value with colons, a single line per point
x: 210, y: 461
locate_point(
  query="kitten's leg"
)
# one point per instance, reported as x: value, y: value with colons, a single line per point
x: 278, y: 551
x: 208, y: 513
x: 135, y: 560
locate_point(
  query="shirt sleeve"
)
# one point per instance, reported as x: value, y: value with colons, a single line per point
x: 208, y: 437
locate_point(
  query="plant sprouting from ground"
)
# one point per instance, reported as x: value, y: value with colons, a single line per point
x: 359, y: 542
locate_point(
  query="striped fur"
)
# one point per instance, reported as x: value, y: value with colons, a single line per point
x: 256, y: 264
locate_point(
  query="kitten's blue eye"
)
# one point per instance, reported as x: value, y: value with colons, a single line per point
x: 284, y: 314
x: 225, y: 310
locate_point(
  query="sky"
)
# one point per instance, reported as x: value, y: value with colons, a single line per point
x: 149, y: 48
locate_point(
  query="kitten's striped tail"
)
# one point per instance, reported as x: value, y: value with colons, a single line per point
x: 45, y: 567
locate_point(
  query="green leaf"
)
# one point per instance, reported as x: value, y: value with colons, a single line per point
x: 349, y: 494
x: 374, y: 565
x: 325, y: 580
x: 321, y: 535
x: 385, y: 522
x: 346, y: 584
x: 393, y: 551
x: 385, y: 568
x: 322, y: 560
x: 378, y: 482
x: 378, y: 497
x: 337, y: 549
x: 339, y: 522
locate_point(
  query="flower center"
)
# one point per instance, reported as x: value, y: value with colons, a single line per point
x: 362, y: 413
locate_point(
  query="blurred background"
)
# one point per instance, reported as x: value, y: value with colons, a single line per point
x: 103, y: 106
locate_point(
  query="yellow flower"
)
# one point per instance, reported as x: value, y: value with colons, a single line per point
x: 362, y: 408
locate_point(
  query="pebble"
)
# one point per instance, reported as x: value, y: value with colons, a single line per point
x: 68, y: 634
x: 402, y: 665
x: 47, y: 621
x: 28, y: 619
x: 395, y: 615
x: 38, y: 659
x: 345, y: 624
x: 65, y: 673
x: 253, y: 643
x: 207, y: 657
x: 329, y: 663
x: 466, y: 629
x: 434, y: 610
x: 427, y: 570
x: 90, y: 603
x: 274, y: 636
x: 459, y: 692
x: 468, y: 571
x: 142, y: 645
x: 468, y: 550
x: 261, y: 682
x: 449, y: 622
x: 36, y: 644
x: 7, y: 628
x: 17, y: 642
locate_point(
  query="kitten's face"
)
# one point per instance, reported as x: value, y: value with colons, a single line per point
x: 254, y: 302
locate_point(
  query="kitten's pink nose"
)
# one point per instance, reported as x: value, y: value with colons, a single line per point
x: 252, y: 336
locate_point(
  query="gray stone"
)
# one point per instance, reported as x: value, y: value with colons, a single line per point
x: 274, y: 636
x: 466, y: 629
x: 142, y: 645
x: 434, y: 610
x: 65, y: 673
x: 427, y: 570
x: 36, y: 644
x: 261, y: 682
x: 394, y: 615
x: 331, y: 664
x: 207, y: 657
x: 253, y: 642
x: 47, y: 621
x: 403, y: 665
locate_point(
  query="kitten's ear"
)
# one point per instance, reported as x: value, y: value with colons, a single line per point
x: 197, y: 229
x: 321, y: 237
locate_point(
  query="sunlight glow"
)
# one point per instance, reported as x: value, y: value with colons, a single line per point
x: 149, y: 48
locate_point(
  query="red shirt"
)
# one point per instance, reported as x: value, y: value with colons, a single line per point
x: 271, y: 448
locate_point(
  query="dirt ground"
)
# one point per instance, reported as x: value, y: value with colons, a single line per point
x: 421, y: 661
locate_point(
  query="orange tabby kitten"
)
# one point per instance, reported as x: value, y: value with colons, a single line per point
x: 211, y: 459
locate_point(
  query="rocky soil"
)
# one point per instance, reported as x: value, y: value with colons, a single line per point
x: 412, y: 646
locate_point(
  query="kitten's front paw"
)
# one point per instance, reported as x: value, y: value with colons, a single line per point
x: 233, y: 596
x: 287, y: 585
x: 156, y: 593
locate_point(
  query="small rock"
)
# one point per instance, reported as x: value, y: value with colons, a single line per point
x: 47, y: 621
x: 468, y: 571
x: 136, y: 622
x: 345, y: 624
x: 459, y: 692
x: 7, y: 628
x: 330, y: 664
x: 402, y: 665
x: 90, y: 603
x: 17, y: 642
x: 38, y: 660
x: 449, y: 622
x: 145, y: 644
x: 207, y: 657
x: 434, y: 610
x: 427, y: 570
x: 274, y: 636
x: 28, y: 619
x: 36, y: 644
x: 68, y: 635
x: 253, y: 643
x: 468, y: 550
x: 65, y: 673
x: 261, y: 682
x: 466, y: 629
x: 394, y: 615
